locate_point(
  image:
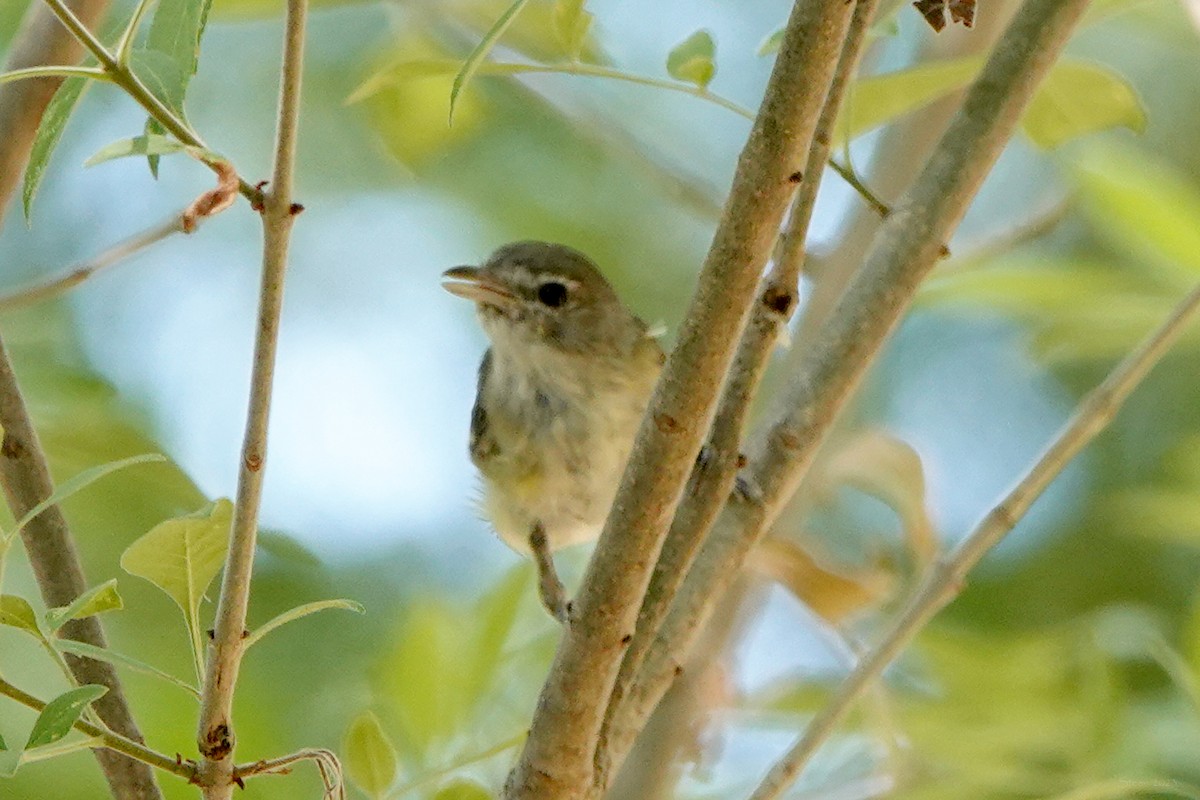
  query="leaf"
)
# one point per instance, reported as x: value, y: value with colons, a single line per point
x: 831, y: 595
x: 81, y: 481
x: 10, y: 761
x: 1078, y: 98
x: 49, y: 132
x: 572, y: 23
x: 53, y: 72
x: 1143, y: 205
x: 1119, y: 788
x: 147, y: 145
x: 61, y: 713
x: 496, y: 612
x: 125, y: 42
x: 17, y: 613
x: 3, y: 746
x: 476, y: 56
x: 370, y: 757
x: 121, y: 660
x: 48, y: 751
x: 162, y: 75
x: 175, y: 32
x: 96, y: 600
x: 299, y: 612
x: 181, y: 556
x: 694, y: 60
x: 462, y: 789
x: 880, y: 99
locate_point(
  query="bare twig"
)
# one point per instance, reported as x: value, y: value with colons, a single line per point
x: 948, y: 577
x: 215, y: 735
x: 112, y: 740
x: 714, y: 478
x: 906, y: 248
x: 326, y: 761
x: 54, y: 287
x: 557, y: 761
x: 24, y: 471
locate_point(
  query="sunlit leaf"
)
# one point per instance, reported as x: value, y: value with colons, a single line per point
x: 694, y: 60
x: 1142, y: 205
x: 81, y: 481
x: 17, y: 613
x: 572, y: 23
x: 880, y: 99
x: 1078, y: 98
x: 832, y: 595
x: 54, y: 122
x: 147, y: 145
x: 121, y: 660
x: 96, y: 600
x: 462, y: 789
x: 477, y: 55
x: 369, y: 756
x: 497, y: 613
x: 61, y: 713
x: 301, y: 611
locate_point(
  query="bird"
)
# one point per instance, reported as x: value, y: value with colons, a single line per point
x: 561, y: 393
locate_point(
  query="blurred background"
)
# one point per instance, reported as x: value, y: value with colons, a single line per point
x: 1071, y: 660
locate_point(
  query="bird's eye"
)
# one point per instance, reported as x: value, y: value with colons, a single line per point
x: 552, y: 293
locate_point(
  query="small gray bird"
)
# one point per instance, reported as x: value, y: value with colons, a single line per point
x: 561, y: 394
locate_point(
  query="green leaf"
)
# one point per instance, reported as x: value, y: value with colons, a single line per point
x: 53, y: 72
x: 61, y: 713
x: 148, y: 145
x: 10, y: 760
x: 476, y: 56
x: 1078, y: 98
x: 880, y: 99
x: 153, y: 128
x: 82, y: 481
x: 1143, y: 205
x: 181, y: 556
x: 3, y: 746
x: 17, y: 613
x: 463, y: 790
x: 163, y: 76
x: 175, y: 32
x: 694, y: 60
x: 125, y: 42
x: 496, y: 612
x: 370, y: 757
x: 48, y: 751
x: 572, y: 23
x: 1119, y: 788
x: 96, y: 600
x: 49, y: 132
x: 121, y: 660
x: 298, y: 612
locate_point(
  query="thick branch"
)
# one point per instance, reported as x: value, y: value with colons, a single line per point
x: 557, y: 761
x: 714, y: 478
x: 947, y: 580
x: 905, y: 250
x: 216, y: 737
x: 24, y: 471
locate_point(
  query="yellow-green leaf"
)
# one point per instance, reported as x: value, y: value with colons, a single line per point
x: 370, y: 757
x: 462, y: 789
x: 1078, y: 98
x: 694, y: 59
x: 301, y: 611
x: 881, y: 99
x: 476, y: 56
x: 17, y: 613
x: 60, y: 714
x: 96, y: 600
x: 572, y: 23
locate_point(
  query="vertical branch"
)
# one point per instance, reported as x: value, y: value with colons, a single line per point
x: 216, y: 739
x: 946, y: 580
x: 714, y: 478
x: 908, y: 245
x: 24, y: 470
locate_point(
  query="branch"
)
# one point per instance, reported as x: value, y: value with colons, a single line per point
x: 46, y: 290
x: 24, y: 471
x: 113, y: 741
x: 714, y: 479
x: 215, y: 735
x: 908, y: 245
x: 947, y: 579
x: 557, y: 760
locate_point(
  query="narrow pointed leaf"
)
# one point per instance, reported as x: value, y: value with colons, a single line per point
x: 82, y: 481
x: 48, y: 751
x: 881, y: 99
x: 148, y: 145
x: 125, y: 42
x: 60, y: 714
x: 572, y: 23
x: 53, y: 72
x: 122, y: 660
x: 1079, y: 98
x: 16, y: 612
x: 96, y: 600
x: 50, y: 131
x: 299, y: 612
x: 476, y: 56
x: 370, y: 757
x: 694, y: 60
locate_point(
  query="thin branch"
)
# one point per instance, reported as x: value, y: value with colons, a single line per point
x: 326, y: 761
x: 215, y: 735
x: 112, y: 740
x: 906, y: 249
x: 122, y: 75
x: 712, y: 481
x: 948, y: 578
x: 24, y: 471
x: 54, y: 287
x: 557, y: 760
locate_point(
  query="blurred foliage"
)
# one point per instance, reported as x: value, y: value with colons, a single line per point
x: 1073, y: 668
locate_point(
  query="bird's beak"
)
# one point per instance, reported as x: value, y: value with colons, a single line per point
x: 470, y: 283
